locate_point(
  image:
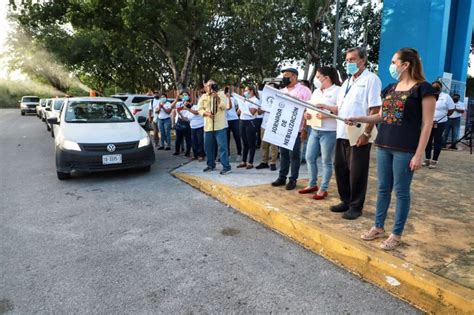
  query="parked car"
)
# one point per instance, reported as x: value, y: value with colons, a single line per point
x: 28, y: 104
x: 99, y: 134
x: 135, y: 102
x: 40, y: 108
x: 52, y: 110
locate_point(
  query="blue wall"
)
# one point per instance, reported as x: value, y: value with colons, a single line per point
x: 439, y: 29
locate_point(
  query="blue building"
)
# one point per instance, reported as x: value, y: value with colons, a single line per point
x: 441, y: 31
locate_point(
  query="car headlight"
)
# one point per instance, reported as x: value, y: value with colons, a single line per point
x: 144, y: 142
x: 69, y: 145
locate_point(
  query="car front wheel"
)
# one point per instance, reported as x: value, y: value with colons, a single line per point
x: 63, y: 175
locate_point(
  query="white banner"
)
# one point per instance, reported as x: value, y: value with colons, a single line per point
x: 267, y: 96
x: 243, y: 105
x: 284, y: 121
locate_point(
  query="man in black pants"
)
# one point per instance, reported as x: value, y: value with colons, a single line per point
x: 359, y: 96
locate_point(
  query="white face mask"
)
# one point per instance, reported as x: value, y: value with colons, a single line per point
x: 317, y: 83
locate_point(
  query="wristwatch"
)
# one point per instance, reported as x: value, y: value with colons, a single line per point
x: 368, y: 135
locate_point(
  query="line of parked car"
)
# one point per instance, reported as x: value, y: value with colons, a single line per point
x: 95, y: 133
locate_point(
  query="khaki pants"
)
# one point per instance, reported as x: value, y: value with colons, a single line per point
x: 267, y: 148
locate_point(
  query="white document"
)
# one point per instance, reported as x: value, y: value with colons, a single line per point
x: 353, y: 133
x: 283, y: 123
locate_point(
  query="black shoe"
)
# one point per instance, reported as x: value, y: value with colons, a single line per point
x: 279, y: 182
x: 273, y: 167
x: 342, y: 207
x: 176, y: 153
x: 453, y: 147
x: 352, y: 214
x: 167, y: 149
x: 291, y: 184
x: 161, y: 148
x: 226, y: 171
x: 208, y: 169
x: 261, y: 166
x: 187, y: 154
x: 303, y: 162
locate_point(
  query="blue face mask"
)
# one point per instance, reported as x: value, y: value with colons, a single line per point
x: 246, y: 94
x: 394, y: 72
x: 185, y: 98
x: 163, y: 99
x: 351, y: 68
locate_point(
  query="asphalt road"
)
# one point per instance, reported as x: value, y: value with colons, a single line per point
x: 134, y: 242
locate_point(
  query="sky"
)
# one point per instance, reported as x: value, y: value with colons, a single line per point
x: 5, y: 27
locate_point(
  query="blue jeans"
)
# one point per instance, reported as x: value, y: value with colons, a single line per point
x: 165, y: 130
x: 291, y: 159
x: 323, y: 142
x: 453, y: 126
x: 305, y: 144
x: 210, y: 140
x: 393, y: 172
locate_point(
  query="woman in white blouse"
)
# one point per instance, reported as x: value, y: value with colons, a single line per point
x: 322, y: 139
x: 248, y: 128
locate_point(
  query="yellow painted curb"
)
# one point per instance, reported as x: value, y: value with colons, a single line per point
x: 420, y: 287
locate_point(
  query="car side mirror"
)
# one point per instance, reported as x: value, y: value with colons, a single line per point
x: 141, y: 119
x: 53, y: 121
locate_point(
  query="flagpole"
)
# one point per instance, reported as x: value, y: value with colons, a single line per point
x: 313, y: 107
x: 245, y: 99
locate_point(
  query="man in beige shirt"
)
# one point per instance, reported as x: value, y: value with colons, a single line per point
x: 212, y: 106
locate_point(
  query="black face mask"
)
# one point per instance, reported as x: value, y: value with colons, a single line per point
x: 285, y: 82
x: 455, y: 99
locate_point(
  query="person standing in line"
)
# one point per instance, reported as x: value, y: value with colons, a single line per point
x: 212, y: 107
x: 233, y: 122
x: 307, y: 129
x: 197, y: 130
x: 291, y: 159
x: 454, y: 123
x: 269, y: 151
x: 444, y: 108
x: 247, y: 128
x: 182, y: 126
x: 153, y: 118
x: 358, y: 96
x: 164, y: 122
x: 404, y: 128
x: 322, y: 138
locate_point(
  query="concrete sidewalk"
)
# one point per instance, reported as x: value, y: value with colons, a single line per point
x: 432, y: 269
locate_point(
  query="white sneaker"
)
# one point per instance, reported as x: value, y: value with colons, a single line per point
x: 433, y: 164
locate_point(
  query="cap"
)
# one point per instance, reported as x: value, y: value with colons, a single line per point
x: 292, y: 70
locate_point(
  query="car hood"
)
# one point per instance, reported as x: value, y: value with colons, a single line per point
x: 103, y: 132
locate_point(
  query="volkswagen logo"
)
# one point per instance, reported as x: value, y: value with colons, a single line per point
x: 111, y: 147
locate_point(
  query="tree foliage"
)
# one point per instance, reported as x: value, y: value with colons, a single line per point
x: 139, y: 45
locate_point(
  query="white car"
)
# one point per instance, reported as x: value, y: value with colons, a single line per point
x: 52, y: 110
x: 99, y: 134
x: 135, y: 102
x: 28, y: 104
x: 40, y: 108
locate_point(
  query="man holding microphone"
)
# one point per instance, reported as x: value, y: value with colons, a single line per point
x: 212, y: 107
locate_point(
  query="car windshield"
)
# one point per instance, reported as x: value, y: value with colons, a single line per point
x: 30, y: 99
x: 58, y: 103
x: 97, y: 112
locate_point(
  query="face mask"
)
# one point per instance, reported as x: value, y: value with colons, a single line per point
x: 351, y: 68
x: 317, y: 83
x: 455, y: 99
x: 185, y: 98
x: 437, y: 88
x: 394, y: 72
x: 246, y: 94
x: 163, y: 99
x: 285, y: 81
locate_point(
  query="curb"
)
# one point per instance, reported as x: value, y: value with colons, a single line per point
x: 419, y: 287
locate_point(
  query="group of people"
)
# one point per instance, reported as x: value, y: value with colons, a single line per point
x: 410, y: 115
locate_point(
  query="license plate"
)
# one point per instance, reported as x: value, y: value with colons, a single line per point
x: 112, y: 159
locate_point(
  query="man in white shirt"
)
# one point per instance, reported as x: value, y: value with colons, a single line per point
x: 153, y: 116
x: 359, y: 96
x: 454, y: 123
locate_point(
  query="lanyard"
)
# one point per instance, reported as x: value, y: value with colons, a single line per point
x: 348, y: 87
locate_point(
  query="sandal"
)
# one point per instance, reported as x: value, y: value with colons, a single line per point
x: 390, y: 243
x: 372, y: 234
x: 241, y: 165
